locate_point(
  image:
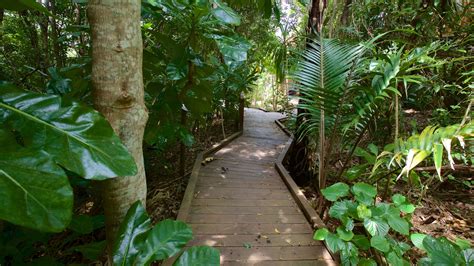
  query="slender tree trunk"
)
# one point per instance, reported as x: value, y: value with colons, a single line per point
x: 54, y: 36
x: 117, y: 80
x: 44, y: 24
x: 31, y: 29
x: 346, y: 13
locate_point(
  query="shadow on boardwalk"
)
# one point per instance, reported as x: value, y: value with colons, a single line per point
x: 242, y: 207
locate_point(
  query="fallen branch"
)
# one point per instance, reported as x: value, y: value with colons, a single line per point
x: 457, y: 168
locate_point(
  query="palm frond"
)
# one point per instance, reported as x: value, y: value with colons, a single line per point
x: 320, y: 78
x: 369, y: 100
x: 431, y: 141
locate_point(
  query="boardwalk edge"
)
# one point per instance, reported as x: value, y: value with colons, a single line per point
x: 189, y: 193
x: 308, y: 211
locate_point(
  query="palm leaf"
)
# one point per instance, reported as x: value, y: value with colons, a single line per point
x: 320, y: 79
x: 431, y: 141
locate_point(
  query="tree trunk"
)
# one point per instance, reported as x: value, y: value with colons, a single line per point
x: 44, y: 24
x: 118, y: 92
x: 315, y: 18
x: 346, y: 13
x: 31, y: 29
x: 54, y: 36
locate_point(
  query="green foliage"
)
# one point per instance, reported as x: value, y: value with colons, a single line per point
x: 76, y: 136
x: 197, y: 62
x: 139, y: 243
x: 40, y: 132
x: 409, y: 153
x: 20, y: 5
x: 198, y: 256
x: 441, y: 251
x: 321, y: 78
x: 381, y: 222
x: 335, y: 191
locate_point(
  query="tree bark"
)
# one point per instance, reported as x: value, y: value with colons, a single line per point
x: 315, y: 18
x: 54, y: 36
x: 345, y: 13
x: 117, y: 80
x: 31, y: 29
x: 44, y: 25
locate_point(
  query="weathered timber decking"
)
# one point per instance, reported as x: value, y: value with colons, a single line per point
x: 242, y: 207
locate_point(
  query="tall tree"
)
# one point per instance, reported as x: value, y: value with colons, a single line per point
x: 117, y: 79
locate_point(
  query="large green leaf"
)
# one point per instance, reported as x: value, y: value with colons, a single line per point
x: 165, y: 240
x: 336, y: 191
x: 225, y: 14
x: 20, y: 5
x: 131, y: 234
x: 442, y: 252
x: 417, y: 240
x: 361, y: 241
x: 380, y: 243
x: 199, y: 256
x: 35, y: 192
x: 342, y: 209
x: 233, y: 48
x: 399, y: 224
x: 376, y: 226
x: 320, y: 234
x: 76, y: 136
x: 334, y: 243
x: 364, y: 193
x: 344, y: 234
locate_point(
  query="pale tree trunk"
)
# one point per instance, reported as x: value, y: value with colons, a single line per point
x: 117, y: 80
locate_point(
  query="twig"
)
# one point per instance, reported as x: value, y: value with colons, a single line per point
x: 457, y: 168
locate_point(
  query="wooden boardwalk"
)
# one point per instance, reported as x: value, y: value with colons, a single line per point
x: 242, y: 207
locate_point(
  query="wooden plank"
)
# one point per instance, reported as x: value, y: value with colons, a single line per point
x: 242, y: 167
x: 231, y: 162
x: 248, y: 229
x: 293, y: 240
x: 250, y: 200
x: 226, y: 183
x: 274, y: 195
x: 241, y: 176
x: 300, y: 198
x: 249, y: 158
x: 281, y: 263
x: 244, y: 210
x: 189, y: 193
x: 274, y: 253
x: 243, y: 202
x: 241, y: 171
x: 249, y: 190
x: 246, y: 218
